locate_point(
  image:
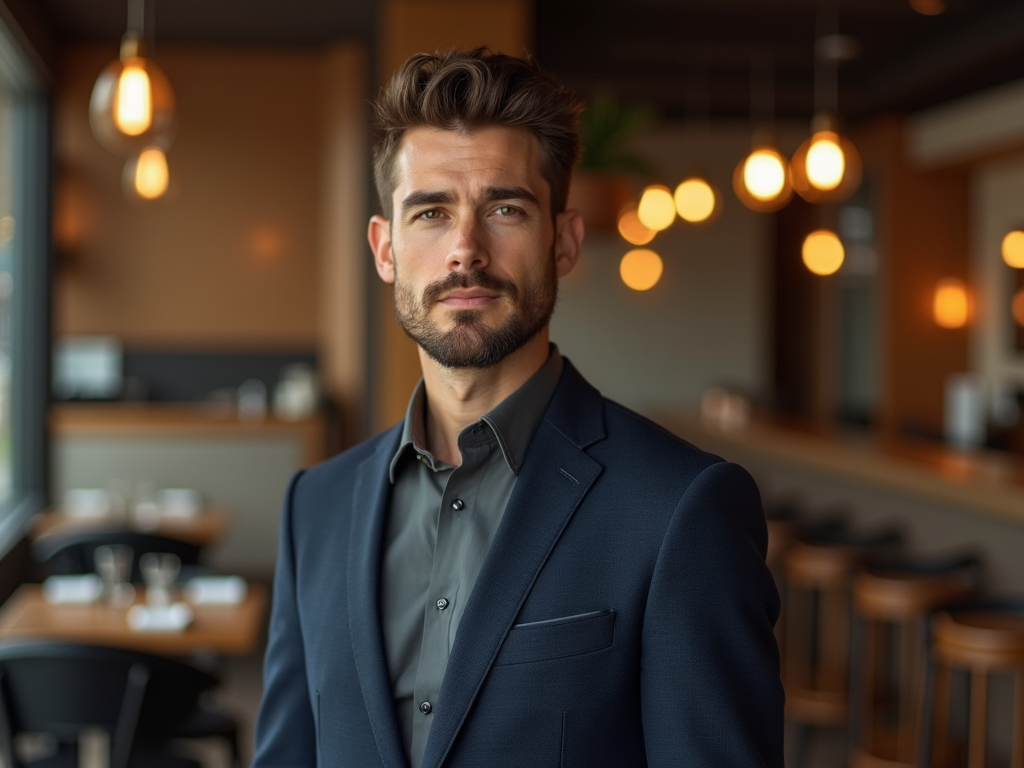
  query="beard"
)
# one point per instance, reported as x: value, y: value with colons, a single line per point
x: 471, y: 343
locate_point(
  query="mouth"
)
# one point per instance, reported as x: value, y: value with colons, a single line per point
x: 468, y: 298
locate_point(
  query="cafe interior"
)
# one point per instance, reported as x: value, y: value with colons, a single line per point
x: 804, y: 253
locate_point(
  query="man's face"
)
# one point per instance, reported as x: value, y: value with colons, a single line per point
x: 471, y: 246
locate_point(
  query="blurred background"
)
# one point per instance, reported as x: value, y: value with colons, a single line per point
x: 188, y: 301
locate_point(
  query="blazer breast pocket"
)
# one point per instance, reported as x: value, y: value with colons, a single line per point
x: 557, y: 638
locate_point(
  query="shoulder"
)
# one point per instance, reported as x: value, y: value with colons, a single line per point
x: 343, y: 469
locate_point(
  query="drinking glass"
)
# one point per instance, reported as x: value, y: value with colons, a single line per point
x: 114, y: 565
x: 159, y: 570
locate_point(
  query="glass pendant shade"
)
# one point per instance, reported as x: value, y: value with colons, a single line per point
x: 132, y: 105
x: 951, y: 306
x: 1013, y: 248
x: 761, y: 180
x: 632, y: 229
x: 641, y: 269
x: 826, y: 167
x: 146, y: 175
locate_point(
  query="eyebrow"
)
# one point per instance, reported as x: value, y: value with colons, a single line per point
x: 491, y: 194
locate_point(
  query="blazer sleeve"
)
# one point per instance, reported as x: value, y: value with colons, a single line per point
x: 285, y: 729
x: 710, y: 687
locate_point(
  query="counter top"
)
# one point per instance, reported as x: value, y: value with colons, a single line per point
x: 986, y: 482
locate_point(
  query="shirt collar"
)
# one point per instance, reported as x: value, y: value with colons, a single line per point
x: 513, y: 420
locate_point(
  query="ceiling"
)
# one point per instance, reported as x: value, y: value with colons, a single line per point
x: 684, y: 57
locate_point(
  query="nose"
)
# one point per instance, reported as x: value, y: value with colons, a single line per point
x: 468, y: 251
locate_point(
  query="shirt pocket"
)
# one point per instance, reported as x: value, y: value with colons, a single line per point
x: 557, y: 638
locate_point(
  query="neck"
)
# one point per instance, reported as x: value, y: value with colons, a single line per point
x: 457, y: 397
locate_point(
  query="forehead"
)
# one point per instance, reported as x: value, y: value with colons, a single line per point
x: 432, y: 159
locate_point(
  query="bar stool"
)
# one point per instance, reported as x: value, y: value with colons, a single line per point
x: 816, y: 665
x: 979, y: 637
x: 891, y: 600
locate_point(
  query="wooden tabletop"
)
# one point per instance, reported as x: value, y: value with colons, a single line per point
x: 228, y: 630
x: 202, y: 529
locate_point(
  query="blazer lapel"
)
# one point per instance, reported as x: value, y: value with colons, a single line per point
x: 554, y: 479
x: 369, y: 504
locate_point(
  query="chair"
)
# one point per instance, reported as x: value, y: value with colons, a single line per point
x: 816, y: 664
x: 979, y: 637
x: 891, y: 600
x: 72, y: 552
x: 63, y: 689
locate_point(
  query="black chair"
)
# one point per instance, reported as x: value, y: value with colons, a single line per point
x: 62, y: 689
x: 72, y: 552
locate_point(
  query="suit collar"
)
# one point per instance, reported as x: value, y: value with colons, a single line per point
x: 555, y: 477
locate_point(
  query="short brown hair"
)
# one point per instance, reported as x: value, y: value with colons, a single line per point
x: 464, y: 91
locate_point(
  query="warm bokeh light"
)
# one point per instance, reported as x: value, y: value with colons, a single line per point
x: 641, y: 269
x: 656, y: 210
x: 1013, y: 249
x: 825, y: 163
x: 133, y: 101
x: 631, y: 228
x: 764, y: 174
x: 950, y: 306
x: 928, y: 7
x: 150, y: 175
x: 823, y: 252
x: 1017, y: 307
x: 695, y: 200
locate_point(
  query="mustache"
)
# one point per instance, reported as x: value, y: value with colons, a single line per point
x: 436, y: 290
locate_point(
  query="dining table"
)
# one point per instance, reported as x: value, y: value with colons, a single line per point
x: 219, y: 629
x: 203, y: 528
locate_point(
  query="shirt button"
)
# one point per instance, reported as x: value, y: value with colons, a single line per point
x: 425, y: 708
x: 442, y: 604
x: 458, y: 504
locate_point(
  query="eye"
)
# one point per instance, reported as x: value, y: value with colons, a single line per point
x: 430, y: 215
x: 507, y: 210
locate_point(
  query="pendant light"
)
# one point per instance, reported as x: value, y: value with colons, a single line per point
x: 826, y: 167
x: 657, y: 209
x: 132, y: 105
x: 1013, y: 248
x: 146, y: 175
x: 696, y: 199
x: 823, y: 252
x: 761, y: 180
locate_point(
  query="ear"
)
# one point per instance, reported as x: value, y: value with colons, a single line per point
x: 379, y: 235
x: 568, y: 241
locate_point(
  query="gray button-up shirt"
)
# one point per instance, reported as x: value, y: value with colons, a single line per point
x: 440, y: 525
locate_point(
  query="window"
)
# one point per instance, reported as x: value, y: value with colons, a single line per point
x: 24, y: 285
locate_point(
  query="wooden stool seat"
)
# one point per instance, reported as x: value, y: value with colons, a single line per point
x: 890, y: 604
x: 978, y: 637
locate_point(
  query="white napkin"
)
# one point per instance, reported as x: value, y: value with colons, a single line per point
x: 179, y: 502
x: 72, y: 589
x: 159, y: 618
x: 216, y: 590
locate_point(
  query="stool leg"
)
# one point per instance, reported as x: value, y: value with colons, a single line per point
x: 1017, y: 758
x: 940, y: 722
x: 906, y: 694
x: 979, y: 717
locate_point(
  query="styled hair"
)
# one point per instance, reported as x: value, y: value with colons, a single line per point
x: 464, y: 91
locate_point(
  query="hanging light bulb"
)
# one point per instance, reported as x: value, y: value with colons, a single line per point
x: 657, y: 209
x: 826, y: 167
x: 761, y: 180
x: 696, y: 200
x: 823, y: 252
x: 132, y: 104
x: 146, y: 175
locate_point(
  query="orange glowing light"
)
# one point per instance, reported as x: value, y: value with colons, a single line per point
x: 657, y: 209
x: 641, y: 269
x: 950, y: 306
x: 695, y: 200
x: 1018, y: 307
x: 823, y: 252
x: 1013, y: 249
x: 632, y: 229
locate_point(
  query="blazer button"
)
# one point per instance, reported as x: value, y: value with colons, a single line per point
x: 442, y: 603
x: 458, y: 504
x: 425, y: 708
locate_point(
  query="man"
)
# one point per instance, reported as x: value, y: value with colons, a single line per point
x: 521, y: 573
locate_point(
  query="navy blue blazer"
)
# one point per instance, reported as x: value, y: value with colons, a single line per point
x: 622, y: 617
